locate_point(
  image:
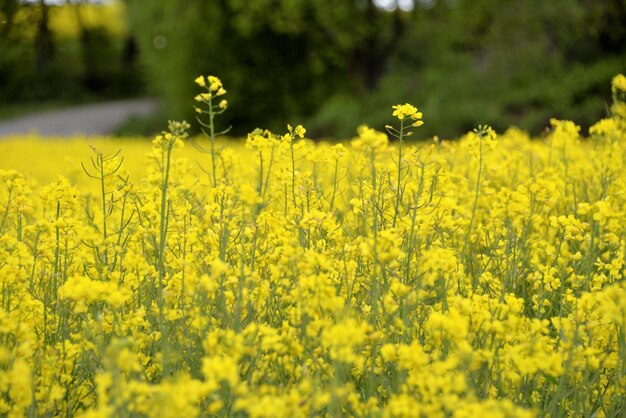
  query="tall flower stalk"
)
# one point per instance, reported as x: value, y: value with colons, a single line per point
x: 409, y: 118
x: 213, y: 105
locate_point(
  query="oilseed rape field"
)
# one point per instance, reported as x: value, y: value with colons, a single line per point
x: 277, y: 276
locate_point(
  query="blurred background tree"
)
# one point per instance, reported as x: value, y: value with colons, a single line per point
x: 65, y: 51
x: 336, y: 64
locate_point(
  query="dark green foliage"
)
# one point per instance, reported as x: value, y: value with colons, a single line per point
x: 279, y: 60
x: 37, y: 65
x: 337, y: 64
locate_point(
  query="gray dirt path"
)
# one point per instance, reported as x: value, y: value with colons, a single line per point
x: 92, y: 119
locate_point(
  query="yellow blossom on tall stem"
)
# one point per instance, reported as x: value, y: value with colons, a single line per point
x: 410, y: 111
x: 402, y: 112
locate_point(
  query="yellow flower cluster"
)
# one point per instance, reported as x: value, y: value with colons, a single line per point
x: 410, y: 111
x: 214, y: 88
x: 478, y: 277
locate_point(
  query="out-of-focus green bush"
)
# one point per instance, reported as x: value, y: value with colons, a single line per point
x: 333, y: 64
x: 74, y: 51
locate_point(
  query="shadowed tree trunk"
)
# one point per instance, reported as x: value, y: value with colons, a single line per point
x: 376, y: 51
x: 44, y: 47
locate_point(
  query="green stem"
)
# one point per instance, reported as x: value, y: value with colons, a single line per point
x: 104, y: 211
x: 162, y: 244
x: 212, y: 136
x: 398, y: 192
x: 374, y: 276
x: 476, y: 193
x: 293, y: 173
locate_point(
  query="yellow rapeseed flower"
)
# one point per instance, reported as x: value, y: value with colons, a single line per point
x: 200, y: 81
x: 410, y: 111
x: 618, y: 83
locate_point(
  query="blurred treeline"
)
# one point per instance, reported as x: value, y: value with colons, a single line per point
x: 336, y: 64
x: 66, y: 51
x: 332, y: 65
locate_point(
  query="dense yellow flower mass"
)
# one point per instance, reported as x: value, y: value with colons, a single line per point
x: 282, y: 277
